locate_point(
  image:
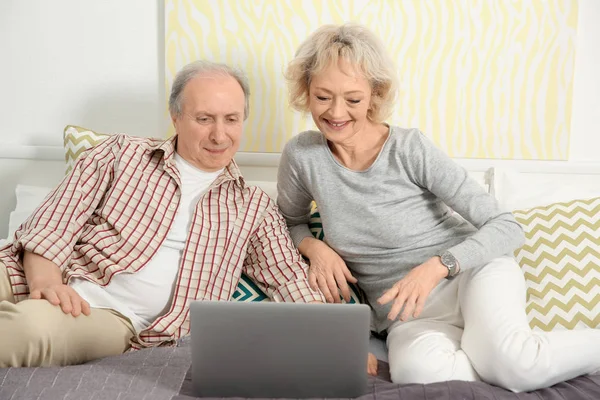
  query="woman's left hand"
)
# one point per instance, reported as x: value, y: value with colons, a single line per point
x: 411, y: 291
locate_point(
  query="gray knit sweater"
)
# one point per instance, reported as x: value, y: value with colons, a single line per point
x: 395, y: 215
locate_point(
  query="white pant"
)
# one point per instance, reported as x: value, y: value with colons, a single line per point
x: 475, y: 327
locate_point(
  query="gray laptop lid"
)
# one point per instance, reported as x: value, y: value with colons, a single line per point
x: 266, y: 349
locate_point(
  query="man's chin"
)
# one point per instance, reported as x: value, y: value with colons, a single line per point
x: 217, y: 163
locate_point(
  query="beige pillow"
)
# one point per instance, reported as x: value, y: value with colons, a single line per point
x: 561, y: 263
x: 77, y: 140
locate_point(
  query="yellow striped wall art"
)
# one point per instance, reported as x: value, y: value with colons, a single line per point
x: 481, y: 78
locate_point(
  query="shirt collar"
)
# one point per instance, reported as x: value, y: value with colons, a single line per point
x: 230, y: 173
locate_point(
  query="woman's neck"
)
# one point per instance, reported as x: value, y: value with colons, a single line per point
x: 362, y: 150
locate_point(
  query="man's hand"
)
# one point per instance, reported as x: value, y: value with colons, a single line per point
x: 372, y: 365
x: 45, y: 282
x: 411, y: 291
x: 327, y: 271
x: 64, y: 296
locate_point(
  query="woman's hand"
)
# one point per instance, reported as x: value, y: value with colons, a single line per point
x: 327, y: 271
x: 372, y: 365
x: 411, y: 291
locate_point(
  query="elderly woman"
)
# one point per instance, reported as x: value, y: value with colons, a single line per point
x: 446, y: 290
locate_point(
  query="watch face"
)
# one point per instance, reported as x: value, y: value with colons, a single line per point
x: 450, y: 262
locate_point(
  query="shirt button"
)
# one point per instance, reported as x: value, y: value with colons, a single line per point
x: 173, y: 207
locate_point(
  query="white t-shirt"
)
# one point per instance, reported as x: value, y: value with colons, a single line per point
x: 147, y: 294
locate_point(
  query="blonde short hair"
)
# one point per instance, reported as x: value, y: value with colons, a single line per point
x: 357, y: 45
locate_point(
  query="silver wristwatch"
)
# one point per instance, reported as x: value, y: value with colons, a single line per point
x: 450, y: 262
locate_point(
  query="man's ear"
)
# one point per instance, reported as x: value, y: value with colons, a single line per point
x: 174, y: 121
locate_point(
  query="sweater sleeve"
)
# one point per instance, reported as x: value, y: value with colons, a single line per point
x: 293, y: 199
x: 498, y: 232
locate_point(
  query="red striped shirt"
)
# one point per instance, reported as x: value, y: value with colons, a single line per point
x: 113, y: 211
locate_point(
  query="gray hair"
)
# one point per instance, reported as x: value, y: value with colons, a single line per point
x: 199, y: 67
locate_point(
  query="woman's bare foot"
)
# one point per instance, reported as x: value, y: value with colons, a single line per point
x: 372, y: 365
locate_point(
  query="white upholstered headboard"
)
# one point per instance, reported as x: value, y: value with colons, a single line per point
x: 45, y: 165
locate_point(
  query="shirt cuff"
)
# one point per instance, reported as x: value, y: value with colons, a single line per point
x: 297, y: 291
x: 46, y: 243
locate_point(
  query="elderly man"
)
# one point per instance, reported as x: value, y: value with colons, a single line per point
x: 140, y: 228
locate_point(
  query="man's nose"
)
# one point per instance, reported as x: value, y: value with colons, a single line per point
x: 217, y: 134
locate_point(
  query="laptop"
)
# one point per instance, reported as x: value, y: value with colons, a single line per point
x: 267, y: 349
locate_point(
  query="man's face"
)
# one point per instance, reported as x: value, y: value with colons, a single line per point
x: 209, y: 128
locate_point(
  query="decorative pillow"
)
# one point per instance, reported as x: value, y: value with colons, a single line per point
x: 77, y: 140
x: 248, y: 291
x: 316, y: 228
x: 561, y: 263
x: 516, y: 190
x: 28, y: 199
x: 315, y: 225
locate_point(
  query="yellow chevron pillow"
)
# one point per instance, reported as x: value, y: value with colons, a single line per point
x: 561, y: 263
x: 77, y: 140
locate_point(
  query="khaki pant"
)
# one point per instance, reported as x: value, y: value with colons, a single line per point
x: 35, y: 333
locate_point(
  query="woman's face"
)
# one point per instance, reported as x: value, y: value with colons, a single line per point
x: 339, y: 98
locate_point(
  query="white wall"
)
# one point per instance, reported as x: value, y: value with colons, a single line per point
x: 585, y: 123
x: 99, y: 64
x: 92, y: 63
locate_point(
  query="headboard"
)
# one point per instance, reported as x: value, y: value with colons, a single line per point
x: 44, y: 166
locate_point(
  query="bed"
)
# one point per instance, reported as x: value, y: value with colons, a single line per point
x: 164, y: 373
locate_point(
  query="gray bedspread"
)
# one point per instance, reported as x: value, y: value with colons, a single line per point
x: 164, y: 374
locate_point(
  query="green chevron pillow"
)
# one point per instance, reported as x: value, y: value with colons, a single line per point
x: 316, y: 228
x: 315, y: 225
x: 561, y: 263
x: 77, y: 140
x: 248, y: 291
